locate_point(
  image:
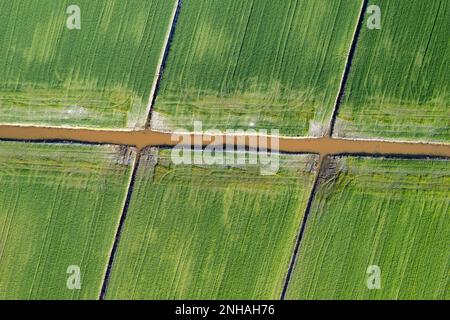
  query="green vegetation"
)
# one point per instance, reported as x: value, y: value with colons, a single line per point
x: 208, y: 232
x: 384, y: 212
x: 59, y: 206
x: 98, y: 76
x: 399, y: 80
x: 256, y: 64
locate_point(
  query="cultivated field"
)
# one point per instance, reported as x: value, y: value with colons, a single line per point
x: 59, y: 207
x: 139, y: 225
x: 399, y: 80
x: 256, y: 64
x: 207, y: 232
x: 384, y: 212
x: 98, y: 76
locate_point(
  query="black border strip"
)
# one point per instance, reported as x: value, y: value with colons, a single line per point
x: 301, y: 232
x: 163, y: 63
x: 120, y: 227
x: 347, y: 68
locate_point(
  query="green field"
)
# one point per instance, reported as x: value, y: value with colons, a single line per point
x: 399, y: 80
x: 256, y: 65
x: 98, y: 76
x: 208, y: 232
x: 384, y: 212
x: 59, y: 207
x: 138, y: 225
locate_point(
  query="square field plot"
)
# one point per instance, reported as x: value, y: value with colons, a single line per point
x: 256, y: 65
x: 99, y: 75
x: 210, y: 231
x: 399, y: 80
x: 378, y: 229
x: 59, y: 209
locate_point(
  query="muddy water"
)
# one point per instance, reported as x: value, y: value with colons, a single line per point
x: 145, y: 138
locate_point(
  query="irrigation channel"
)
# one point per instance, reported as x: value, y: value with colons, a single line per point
x: 148, y: 138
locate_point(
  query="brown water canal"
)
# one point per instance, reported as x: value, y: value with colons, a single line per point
x: 145, y: 138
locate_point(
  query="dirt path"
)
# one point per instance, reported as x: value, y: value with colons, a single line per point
x: 146, y: 138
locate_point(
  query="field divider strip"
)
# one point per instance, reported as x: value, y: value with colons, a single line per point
x: 348, y: 64
x: 120, y: 227
x: 162, y: 62
x: 302, y: 227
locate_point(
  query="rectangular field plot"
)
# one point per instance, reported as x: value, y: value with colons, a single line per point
x: 97, y: 76
x: 377, y: 219
x: 256, y: 65
x: 207, y: 232
x: 399, y: 80
x: 59, y: 209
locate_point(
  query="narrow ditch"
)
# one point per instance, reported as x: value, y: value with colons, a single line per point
x: 120, y: 227
x: 322, y: 165
x: 168, y: 43
x: 347, y: 68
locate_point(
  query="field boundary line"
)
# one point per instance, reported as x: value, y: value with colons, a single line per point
x: 348, y: 64
x: 302, y: 227
x: 162, y: 62
x: 118, y: 233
